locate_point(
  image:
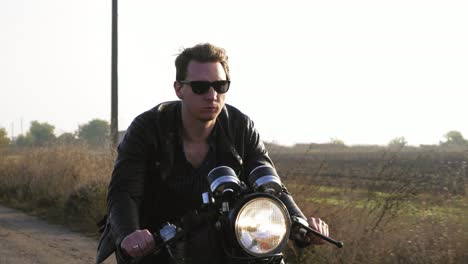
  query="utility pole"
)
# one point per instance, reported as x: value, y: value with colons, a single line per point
x: 114, y: 78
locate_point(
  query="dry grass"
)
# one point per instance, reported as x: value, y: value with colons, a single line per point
x: 386, y: 208
x: 68, y: 183
x: 385, y: 229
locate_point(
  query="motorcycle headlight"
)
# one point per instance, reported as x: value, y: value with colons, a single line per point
x: 262, y: 226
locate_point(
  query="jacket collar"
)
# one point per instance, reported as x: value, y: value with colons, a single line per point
x: 173, y: 126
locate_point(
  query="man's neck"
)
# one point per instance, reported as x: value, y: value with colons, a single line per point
x: 196, y: 131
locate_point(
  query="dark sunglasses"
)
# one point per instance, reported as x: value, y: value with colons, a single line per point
x: 201, y: 87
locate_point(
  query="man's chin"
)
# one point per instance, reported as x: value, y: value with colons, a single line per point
x: 208, y: 118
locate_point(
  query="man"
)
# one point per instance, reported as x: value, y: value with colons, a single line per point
x: 160, y: 172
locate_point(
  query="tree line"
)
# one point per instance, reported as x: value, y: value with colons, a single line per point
x: 453, y: 141
x: 95, y: 133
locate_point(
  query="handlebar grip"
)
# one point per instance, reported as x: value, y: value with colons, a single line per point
x: 300, y: 221
x: 338, y: 244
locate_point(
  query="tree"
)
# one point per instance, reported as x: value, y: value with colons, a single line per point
x: 4, y: 140
x: 24, y: 141
x: 337, y: 142
x: 454, y: 138
x: 67, y: 138
x: 95, y: 132
x: 41, y: 133
x: 397, y: 143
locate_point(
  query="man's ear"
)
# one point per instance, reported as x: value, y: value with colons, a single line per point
x: 178, y: 89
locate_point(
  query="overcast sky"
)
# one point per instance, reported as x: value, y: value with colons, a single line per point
x: 364, y: 72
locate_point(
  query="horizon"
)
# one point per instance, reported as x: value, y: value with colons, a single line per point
x: 332, y: 141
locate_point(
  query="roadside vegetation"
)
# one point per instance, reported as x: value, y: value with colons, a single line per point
x: 63, y: 178
x: 389, y: 204
x: 387, y: 207
x: 64, y: 183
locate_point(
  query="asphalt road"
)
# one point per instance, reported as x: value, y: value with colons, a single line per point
x: 26, y: 239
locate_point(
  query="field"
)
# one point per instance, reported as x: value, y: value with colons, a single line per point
x: 405, y: 206
x: 388, y: 207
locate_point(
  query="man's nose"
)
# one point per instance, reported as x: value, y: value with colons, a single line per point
x: 211, y: 94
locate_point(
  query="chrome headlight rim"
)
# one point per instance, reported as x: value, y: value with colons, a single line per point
x: 236, y: 212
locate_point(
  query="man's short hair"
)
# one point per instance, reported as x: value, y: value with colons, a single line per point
x: 205, y: 52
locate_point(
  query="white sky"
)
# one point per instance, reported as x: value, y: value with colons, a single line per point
x: 305, y: 71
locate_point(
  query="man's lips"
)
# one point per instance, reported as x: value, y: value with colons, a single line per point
x: 210, y: 108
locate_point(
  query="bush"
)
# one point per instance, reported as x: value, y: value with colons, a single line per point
x: 86, y: 204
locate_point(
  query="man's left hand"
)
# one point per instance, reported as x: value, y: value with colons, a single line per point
x: 320, y: 226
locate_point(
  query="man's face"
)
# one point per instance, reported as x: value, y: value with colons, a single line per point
x: 202, y: 107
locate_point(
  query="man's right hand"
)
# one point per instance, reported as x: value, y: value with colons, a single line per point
x: 138, y: 244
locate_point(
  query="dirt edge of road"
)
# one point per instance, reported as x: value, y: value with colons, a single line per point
x: 26, y: 239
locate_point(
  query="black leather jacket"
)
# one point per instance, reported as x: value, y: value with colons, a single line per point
x: 146, y: 157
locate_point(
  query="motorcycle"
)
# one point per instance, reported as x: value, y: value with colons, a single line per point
x: 250, y: 218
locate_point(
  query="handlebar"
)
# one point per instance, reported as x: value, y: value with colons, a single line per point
x: 300, y: 221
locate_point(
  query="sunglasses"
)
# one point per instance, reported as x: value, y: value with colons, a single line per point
x: 201, y: 87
